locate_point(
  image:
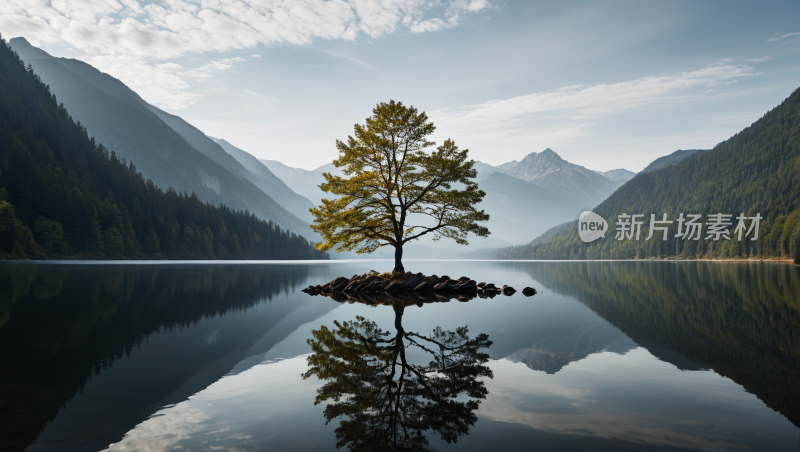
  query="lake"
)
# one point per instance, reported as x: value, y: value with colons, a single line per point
x: 620, y: 356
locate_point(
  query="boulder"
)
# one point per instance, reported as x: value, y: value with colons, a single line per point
x: 444, y: 286
x: 529, y: 291
x: 339, y: 286
x: 508, y: 290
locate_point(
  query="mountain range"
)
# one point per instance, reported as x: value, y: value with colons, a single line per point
x: 523, y: 198
x: 756, y: 173
x: 164, y: 147
x: 64, y: 195
x: 548, y: 170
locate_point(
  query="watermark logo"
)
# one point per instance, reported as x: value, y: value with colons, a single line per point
x: 689, y: 227
x: 591, y: 226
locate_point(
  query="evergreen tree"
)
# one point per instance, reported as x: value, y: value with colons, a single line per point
x: 63, y: 195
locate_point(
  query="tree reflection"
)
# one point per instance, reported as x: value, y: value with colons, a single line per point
x: 387, y: 402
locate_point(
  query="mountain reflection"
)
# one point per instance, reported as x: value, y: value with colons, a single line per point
x: 385, y: 401
x: 63, y: 325
x: 741, y: 320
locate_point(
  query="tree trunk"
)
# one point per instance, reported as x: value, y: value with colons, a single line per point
x: 398, y: 318
x: 398, y: 260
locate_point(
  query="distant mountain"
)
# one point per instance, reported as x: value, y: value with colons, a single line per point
x: 163, y: 147
x: 64, y: 195
x: 549, y: 171
x: 509, y: 165
x: 484, y: 170
x: 304, y: 182
x: 670, y: 159
x: 618, y: 175
x: 520, y: 210
x: 269, y: 182
x: 757, y: 171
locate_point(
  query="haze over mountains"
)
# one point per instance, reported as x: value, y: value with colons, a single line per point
x: 63, y: 195
x: 755, y: 172
x: 163, y: 147
x: 523, y: 198
x: 272, y: 184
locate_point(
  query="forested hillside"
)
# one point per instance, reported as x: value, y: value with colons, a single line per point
x: 675, y: 157
x: 62, y: 195
x: 757, y: 171
x: 165, y: 148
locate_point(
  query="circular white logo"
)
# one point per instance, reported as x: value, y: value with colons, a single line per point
x: 591, y: 226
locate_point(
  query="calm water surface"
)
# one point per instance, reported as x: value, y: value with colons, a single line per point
x: 220, y: 356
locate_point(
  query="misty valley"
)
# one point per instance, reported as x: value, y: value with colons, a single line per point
x: 378, y: 225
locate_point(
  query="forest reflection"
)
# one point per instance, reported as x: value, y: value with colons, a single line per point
x: 63, y: 325
x: 385, y: 401
x: 740, y: 319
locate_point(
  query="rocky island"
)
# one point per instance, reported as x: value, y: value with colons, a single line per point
x: 409, y: 288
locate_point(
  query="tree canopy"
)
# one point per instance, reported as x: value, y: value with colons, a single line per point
x: 393, y: 191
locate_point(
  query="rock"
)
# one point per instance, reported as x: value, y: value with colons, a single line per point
x: 508, y: 290
x: 481, y: 284
x: 443, y: 287
x: 403, y: 289
x: 529, y: 291
x: 411, y: 283
x: 350, y: 287
x: 339, y: 286
x: 382, y: 285
x: 392, y: 284
x: 489, y: 286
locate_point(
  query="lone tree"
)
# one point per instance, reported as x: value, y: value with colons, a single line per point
x: 393, y: 191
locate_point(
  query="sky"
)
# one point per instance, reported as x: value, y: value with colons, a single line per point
x: 613, y: 84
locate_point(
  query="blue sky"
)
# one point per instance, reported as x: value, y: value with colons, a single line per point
x: 605, y: 84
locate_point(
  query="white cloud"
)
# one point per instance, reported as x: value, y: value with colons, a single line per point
x: 787, y: 35
x: 552, y: 117
x: 583, y: 101
x: 758, y: 60
x: 130, y: 39
x: 161, y: 82
x: 179, y: 27
x: 434, y: 24
x: 255, y: 55
x: 351, y: 59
